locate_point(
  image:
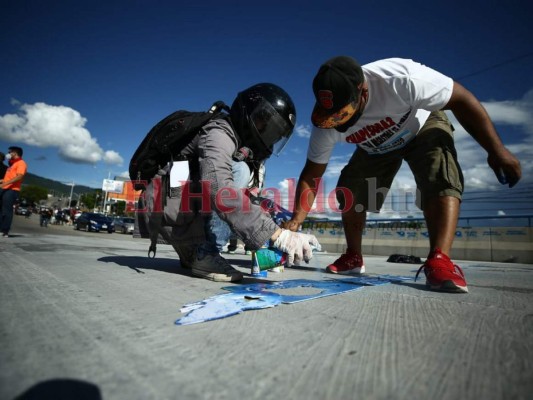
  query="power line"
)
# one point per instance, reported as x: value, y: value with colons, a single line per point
x: 493, y: 66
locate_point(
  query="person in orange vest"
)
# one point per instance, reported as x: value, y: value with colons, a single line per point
x: 3, y: 167
x: 10, y: 185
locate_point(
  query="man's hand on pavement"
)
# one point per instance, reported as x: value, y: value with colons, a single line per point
x: 291, y: 225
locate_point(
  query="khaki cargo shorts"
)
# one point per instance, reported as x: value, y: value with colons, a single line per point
x: 431, y: 156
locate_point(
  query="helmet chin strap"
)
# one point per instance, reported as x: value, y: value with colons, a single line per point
x: 243, y: 154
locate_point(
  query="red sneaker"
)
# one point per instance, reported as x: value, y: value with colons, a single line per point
x: 442, y: 274
x: 350, y: 262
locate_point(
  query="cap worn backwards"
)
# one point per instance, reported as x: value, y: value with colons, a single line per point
x: 337, y: 88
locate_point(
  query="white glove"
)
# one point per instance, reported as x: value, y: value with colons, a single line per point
x: 298, y: 246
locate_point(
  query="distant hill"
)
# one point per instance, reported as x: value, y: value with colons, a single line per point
x: 57, y: 188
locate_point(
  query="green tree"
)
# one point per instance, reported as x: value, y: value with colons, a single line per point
x: 90, y: 199
x: 121, y: 207
x: 33, y: 194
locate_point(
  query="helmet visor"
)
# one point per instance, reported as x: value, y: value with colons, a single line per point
x: 270, y: 127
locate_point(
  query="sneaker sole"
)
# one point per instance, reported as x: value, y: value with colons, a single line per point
x: 355, y: 271
x: 448, y: 286
x: 218, y: 277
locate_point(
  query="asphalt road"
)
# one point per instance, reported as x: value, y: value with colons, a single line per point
x: 88, y: 315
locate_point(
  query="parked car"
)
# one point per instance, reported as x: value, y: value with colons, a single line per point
x: 124, y: 224
x: 94, y: 222
x: 22, y: 210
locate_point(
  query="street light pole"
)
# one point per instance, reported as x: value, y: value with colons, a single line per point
x: 70, y: 197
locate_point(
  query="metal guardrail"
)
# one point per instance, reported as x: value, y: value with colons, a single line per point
x: 418, y: 223
x: 507, y: 242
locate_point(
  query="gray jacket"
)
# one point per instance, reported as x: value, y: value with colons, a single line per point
x: 210, y: 158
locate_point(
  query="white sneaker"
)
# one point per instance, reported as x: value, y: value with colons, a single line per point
x: 215, y: 268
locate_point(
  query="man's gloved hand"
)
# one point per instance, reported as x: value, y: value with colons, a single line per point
x: 298, y: 246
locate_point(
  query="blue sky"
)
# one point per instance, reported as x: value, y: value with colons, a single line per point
x: 82, y: 82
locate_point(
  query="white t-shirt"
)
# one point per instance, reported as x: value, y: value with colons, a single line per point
x: 401, y: 95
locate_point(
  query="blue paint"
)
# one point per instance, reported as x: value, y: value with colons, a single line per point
x: 327, y: 288
x: 226, y: 305
x: 395, y: 278
x: 256, y: 296
x: 374, y: 280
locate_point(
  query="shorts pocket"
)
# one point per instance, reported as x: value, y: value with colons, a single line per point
x: 454, y: 175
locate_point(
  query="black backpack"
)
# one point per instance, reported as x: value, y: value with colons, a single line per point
x: 166, y: 140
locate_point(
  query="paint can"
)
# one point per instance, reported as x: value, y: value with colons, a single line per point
x: 256, y: 270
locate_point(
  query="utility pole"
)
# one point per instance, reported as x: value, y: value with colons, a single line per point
x: 70, y: 197
x: 105, y: 196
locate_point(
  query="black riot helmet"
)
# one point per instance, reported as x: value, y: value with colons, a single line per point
x: 264, y: 117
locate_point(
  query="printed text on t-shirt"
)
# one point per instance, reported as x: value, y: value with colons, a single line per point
x: 385, y: 128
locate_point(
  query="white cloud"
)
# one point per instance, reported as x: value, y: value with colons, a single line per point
x: 295, y: 150
x: 112, y: 157
x: 303, y: 131
x: 44, y: 125
x: 286, y: 187
x: 513, y: 112
x: 336, y: 164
